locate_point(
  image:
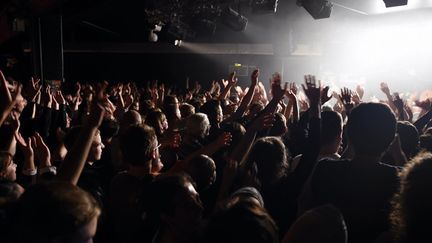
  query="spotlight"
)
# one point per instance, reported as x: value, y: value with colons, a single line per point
x: 178, y: 43
x: 318, y: 9
x: 234, y: 20
x: 153, y: 37
x: 264, y: 6
x: 395, y: 3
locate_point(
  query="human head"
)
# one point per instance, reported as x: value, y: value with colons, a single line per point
x: 371, y: 128
x: 174, y: 202
x: 270, y: 156
x: 409, y: 138
x: 412, y: 205
x: 202, y: 169
x: 319, y: 225
x: 241, y: 221
x: 331, y: 129
x: 139, y: 147
x: 130, y: 118
x: 96, y: 148
x: 158, y: 121
x: 186, y: 110
x: 279, y: 127
x: 213, y: 110
x: 7, y: 166
x: 56, y: 212
x: 171, y: 108
x: 198, y: 125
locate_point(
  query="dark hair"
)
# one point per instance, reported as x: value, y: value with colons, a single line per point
x: 202, y: 169
x: 270, y: 156
x: 371, y: 128
x: 279, y: 127
x: 154, y: 119
x: 72, y: 136
x: 54, y: 211
x: 331, y: 126
x: 210, y: 108
x: 163, y: 191
x: 426, y: 142
x: 242, y: 221
x: 409, y: 138
x: 186, y: 110
x: 412, y: 205
x: 109, y: 129
x: 137, y: 144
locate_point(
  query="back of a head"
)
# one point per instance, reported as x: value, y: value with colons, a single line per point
x: 155, y: 119
x: 210, y: 108
x: 426, y: 142
x: 409, y: 137
x: 130, y: 118
x: 412, y: 206
x: 54, y: 212
x: 242, y: 221
x: 270, y: 156
x: 137, y: 144
x: 324, y: 224
x: 202, y: 169
x: 371, y: 128
x: 162, y: 196
x: 186, y: 110
x: 331, y: 127
x: 279, y: 127
x: 197, y: 125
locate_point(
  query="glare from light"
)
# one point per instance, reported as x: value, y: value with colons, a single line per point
x: 178, y: 43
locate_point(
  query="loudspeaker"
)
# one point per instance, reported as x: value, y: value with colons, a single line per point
x: 318, y: 9
x: 395, y: 3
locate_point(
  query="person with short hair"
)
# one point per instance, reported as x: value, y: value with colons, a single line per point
x: 140, y: 151
x: 361, y: 188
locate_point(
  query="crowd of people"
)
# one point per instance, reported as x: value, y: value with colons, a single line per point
x: 148, y: 162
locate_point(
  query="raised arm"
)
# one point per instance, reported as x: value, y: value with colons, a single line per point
x: 277, y: 93
x: 7, y: 100
x: 247, y: 98
x: 386, y: 90
x: 232, y: 81
x: 71, y: 168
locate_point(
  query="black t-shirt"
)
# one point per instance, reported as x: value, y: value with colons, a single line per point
x: 361, y: 191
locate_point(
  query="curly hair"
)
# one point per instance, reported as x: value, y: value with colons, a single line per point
x: 412, y: 205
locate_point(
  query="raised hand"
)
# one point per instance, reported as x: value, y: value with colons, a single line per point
x: 277, y: 92
x: 255, y: 77
x: 263, y: 121
x: 312, y: 90
x: 360, y: 91
x: 7, y: 100
x: 224, y: 139
x: 384, y: 88
x: 425, y: 105
x: 398, y: 102
x: 346, y: 98
x: 293, y: 88
x: 42, y: 151
x: 232, y: 80
x: 325, y: 95
x: 47, y: 97
x: 25, y: 145
x: 58, y: 97
x: 32, y: 89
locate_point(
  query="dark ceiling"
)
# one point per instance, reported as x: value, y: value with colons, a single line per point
x: 131, y: 20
